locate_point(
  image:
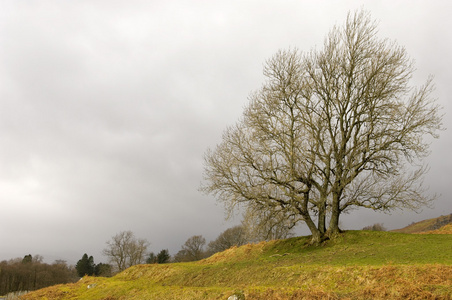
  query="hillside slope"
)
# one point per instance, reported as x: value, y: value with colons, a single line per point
x: 426, y: 225
x: 356, y: 265
x: 443, y: 230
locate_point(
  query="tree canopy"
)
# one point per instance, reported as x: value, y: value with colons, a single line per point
x: 330, y: 130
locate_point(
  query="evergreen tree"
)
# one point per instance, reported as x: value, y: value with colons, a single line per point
x: 85, y: 266
x: 163, y: 256
x: 27, y: 259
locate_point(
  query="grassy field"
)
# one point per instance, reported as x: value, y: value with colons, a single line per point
x: 356, y: 265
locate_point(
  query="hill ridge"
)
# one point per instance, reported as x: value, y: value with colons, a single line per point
x: 426, y: 225
x: 356, y: 265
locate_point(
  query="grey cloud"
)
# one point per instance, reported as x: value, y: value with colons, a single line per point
x: 106, y: 109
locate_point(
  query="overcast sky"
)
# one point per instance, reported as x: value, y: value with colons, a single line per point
x: 107, y: 107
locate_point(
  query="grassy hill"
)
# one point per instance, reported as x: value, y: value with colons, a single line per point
x: 356, y: 265
x: 426, y: 225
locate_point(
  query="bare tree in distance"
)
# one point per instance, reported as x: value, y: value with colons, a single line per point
x: 234, y: 236
x: 124, y: 250
x: 375, y: 227
x: 192, y: 250
x: 330, y: 130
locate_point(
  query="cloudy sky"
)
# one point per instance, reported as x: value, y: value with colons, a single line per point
x: 107, y: 107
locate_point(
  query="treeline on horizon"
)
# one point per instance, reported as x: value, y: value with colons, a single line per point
x: 31, y: 273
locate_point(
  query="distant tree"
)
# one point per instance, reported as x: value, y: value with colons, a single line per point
x: 375, y: 227
x: 151, y: 259
x: 124, y: 250
x: 192, y: 250
x: 59, y: 262
x: 180, y: 256
x: 85, y: 266
x: 194, y: 247
x: 27, y: 259
x: 103, y: 270
x: 38, y: 258
x: 234, y: 236
x: 91, y: 265
x: 61, y: 272
x: 163, y: 256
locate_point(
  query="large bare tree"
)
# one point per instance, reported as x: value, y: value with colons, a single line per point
x: 124, y: 250
x: 330, y: 130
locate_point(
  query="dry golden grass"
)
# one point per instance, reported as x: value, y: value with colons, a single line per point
x: 447, y: 229
x: 360, y: 282
x: 237, y: 253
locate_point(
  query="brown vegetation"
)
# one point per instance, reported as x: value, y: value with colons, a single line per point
x: 29, y: 275
x: 426, y: 225
x: 443, y: 230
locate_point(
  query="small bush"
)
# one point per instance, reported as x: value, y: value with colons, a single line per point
x: 375, y: 227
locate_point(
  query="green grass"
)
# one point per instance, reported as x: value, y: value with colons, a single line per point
x: 355, y: 265
x: 373, y: 248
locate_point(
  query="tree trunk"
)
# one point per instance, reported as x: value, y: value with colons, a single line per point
x: 317, y: 235
x: 321, y: 223
x: 333, y: 228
